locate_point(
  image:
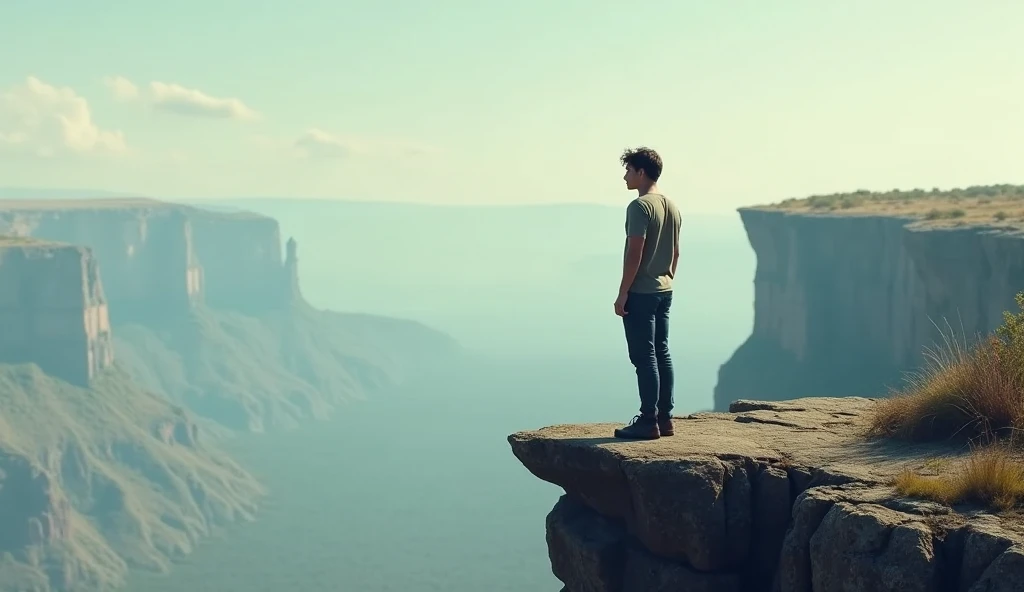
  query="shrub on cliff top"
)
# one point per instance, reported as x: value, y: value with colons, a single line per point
x: 963, y: 392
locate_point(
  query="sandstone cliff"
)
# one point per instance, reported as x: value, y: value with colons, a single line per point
x: 161, y: 258
x: 208, y: 313
x: 101, y: 468
x: 845, y: 304
x: 53, y: 311
x: 786, y: 497
x: 96, y: 474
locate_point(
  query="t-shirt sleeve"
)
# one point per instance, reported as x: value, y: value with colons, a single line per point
x: 637, y: 219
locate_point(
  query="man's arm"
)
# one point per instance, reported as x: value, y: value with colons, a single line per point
x: 637, y: 219
x: 631, y: 262
x: 675, y: 242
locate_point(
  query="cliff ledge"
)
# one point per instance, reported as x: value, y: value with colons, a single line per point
x: 782, y: 496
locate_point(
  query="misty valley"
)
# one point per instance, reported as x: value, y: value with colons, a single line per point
x: 253, y: 386
x: 454, y: 296
x: 259, y: 394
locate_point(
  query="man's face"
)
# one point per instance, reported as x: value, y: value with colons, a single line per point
x: 632, y: 178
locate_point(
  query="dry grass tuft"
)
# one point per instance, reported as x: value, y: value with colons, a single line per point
x: 975, y: 394
x: 991, y: 476
x: 963, y: 392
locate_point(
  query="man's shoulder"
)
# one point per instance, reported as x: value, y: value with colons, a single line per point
x: 653, y: 202
x: 639, y: 205
x: 654, y: 198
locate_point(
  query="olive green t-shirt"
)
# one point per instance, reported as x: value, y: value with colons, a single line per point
x: 656, y: 218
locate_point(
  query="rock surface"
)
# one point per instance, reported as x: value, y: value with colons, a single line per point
x: 784, y: 496
x: 845, y: 304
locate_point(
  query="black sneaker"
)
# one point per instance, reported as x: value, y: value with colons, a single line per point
x: 665, y: 425
x: 642, y: 427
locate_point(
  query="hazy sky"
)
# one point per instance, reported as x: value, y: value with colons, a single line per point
x: 501, y: 101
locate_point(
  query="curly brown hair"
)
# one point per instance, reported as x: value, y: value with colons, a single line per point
x: 643, y: 159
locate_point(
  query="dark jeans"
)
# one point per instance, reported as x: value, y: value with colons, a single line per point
x: 646, y: 325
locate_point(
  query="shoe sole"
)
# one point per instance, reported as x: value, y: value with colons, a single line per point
x: 638, y: 437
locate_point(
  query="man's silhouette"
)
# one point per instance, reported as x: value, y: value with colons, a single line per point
x: 645, y: 293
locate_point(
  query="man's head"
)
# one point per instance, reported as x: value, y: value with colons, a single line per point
x: 643, y: 168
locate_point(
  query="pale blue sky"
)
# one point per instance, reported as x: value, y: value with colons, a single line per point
x: 484, y: 102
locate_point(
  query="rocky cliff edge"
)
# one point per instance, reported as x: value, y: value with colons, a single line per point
x: 783, y: 496
x: 846, y: 302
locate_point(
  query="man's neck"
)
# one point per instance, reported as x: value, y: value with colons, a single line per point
x: 652, y: 189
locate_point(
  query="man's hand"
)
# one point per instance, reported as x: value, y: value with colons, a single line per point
x: 620, y: 304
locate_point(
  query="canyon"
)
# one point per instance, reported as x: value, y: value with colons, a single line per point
x: 134, y: 335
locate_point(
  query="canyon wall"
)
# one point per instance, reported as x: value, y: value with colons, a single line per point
x: 162, y: 259
x: 53, y: 310
x: 102, y: 468
x: 847, y: 304
x: 241, y: 256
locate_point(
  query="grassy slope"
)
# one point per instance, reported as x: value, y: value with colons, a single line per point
x: 103, y: 466
x: 252, y: 373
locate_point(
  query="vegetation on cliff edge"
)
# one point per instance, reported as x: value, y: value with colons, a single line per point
x: 991, y: 475
x: 974, y: 394
x: 94, y: 481
x: 994, y: 205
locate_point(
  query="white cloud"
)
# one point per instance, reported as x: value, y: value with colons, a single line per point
x: 317, y: 143
x: 44, y: 120
x: 187, y: 101
x: 122, y: 88
x: 320, y: 144
x: 178, y: 99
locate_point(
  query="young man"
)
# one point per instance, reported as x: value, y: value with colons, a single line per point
x: 645, y: 293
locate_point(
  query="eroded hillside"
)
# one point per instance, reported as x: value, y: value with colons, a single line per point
x: 96, y: 480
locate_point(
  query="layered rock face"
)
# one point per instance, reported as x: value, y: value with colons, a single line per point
x: 53, y: 311
x: 782, y: 497
x: 149, y: 262
x: 844, y: 305
x: 162, y: 259
x: 241, y: 257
